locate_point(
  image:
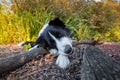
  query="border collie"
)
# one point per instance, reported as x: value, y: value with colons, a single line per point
x: 56, y: 38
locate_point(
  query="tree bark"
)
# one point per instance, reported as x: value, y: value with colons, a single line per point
x: 13, y: 62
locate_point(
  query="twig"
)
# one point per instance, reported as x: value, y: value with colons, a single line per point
x: 92, y: 42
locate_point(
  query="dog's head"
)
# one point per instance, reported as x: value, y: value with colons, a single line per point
x: 61, y: 36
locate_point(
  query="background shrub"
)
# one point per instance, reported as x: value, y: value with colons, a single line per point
x: 86, y: 19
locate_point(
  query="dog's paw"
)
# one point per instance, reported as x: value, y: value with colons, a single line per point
x: 63, y: 61
x: 53, y: 51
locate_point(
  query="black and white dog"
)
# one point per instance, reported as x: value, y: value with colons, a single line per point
x: 56, y: 38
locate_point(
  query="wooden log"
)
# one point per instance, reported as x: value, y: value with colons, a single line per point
x: 15, y: 61
x: 97, y: 65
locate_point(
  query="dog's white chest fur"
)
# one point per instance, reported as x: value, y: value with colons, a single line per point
x: 63, y: 61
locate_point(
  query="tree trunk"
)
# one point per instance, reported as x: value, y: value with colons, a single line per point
x: 97, y: 65
x: 13, y: 62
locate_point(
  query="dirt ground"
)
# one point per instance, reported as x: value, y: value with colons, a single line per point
x: 34, y: 69
x: 112, y: 49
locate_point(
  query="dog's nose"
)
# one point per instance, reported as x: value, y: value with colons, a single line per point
x: 67, y: 49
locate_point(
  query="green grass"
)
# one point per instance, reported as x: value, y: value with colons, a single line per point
x: 27, y: 47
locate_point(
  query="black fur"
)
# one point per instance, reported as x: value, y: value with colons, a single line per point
x: 57, y: 28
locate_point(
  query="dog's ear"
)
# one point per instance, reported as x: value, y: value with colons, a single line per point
x: 57, y: 22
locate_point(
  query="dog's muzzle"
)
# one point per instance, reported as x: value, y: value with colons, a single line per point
x: 68, y: 49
